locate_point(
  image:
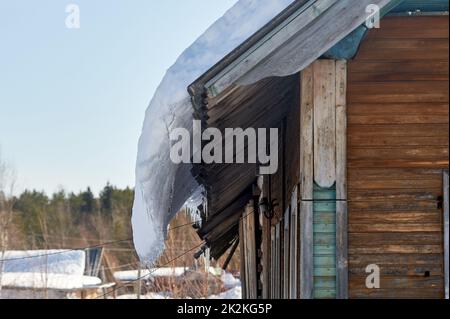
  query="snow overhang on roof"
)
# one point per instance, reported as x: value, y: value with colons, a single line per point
x: 253, y: 86
x: 300, y: 34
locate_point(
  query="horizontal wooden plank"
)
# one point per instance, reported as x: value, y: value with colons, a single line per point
x: 399, y: 92
x: 401, y: 54
x: 391, y: 206
x: 390, y: 260
x: 324, y: 195
x: 365, y: 217
x: 441, y: 109
x: 412, y: 131
x: 424, y: 163
x: 397, y: 282
x: 405, y: 118
x: 413, y: 153
x: 324, y: 206
x: 395, y: 173
x: 401, y: 270
x: 324, y: 228
x: 400, y: 49
x: 364, y: 293
x: 393, y: 183
x: 321, y: 293
x: 393, y: 141
x: 396, y: 228
x: 412, y: 28
x: 375, y: 239
x: 325, y: 218
x: 397, y: 249
x: 407, y: 68
x: 325, y: 294
x: 377, y: 195
x: 405, y: 43
x: 324, y: 271
x: 396, y: 76
x: 325, y: 283
x: 324, y: 261
x: 325, y: 239
x: 324, y: 250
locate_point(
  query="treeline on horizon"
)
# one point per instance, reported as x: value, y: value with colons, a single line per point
x: 69, y: 220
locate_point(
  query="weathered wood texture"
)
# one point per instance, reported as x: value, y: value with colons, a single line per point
x: 248, y: 235
x: 286, y: 252
x: 324, y: 122
x: 324, y: 251
x: 341, y: 182
x: 397, y: 148
x: 323, y: 146
x: 306, y: 183
x: 266, y: 252
x: 293, y: 254
x: 446, y: 234
x: 243, y: 269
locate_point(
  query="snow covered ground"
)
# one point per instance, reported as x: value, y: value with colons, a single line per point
x: 231, y: 284
x: 47, y: 281
x: 234, y: 293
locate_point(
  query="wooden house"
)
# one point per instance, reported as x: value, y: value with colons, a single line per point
x: 363, y: 123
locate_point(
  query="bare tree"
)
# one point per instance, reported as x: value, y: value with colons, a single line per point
x: 7, y: 183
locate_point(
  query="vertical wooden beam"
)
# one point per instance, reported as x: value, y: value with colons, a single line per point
x: 243, y: 269
x: 293, y: 258
x: 341, y: 182
x: 306, y: 183
x: 272, y: 263
x: 278, y: 271
x: 286, y: 252
x: 250, y: 244
x: 266, y: 258
x: 324, y: 122
x: 446, y: 233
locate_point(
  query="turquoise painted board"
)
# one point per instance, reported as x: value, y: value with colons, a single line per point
x: 326, y: 283
x: 325, y: 206
x: 325, y: 293
x: 324, y: 250
x: 324, y: 239
x: 319, y: 273
x: 324, y: 232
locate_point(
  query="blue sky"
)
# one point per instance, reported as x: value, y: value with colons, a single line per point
x: 72, y: 101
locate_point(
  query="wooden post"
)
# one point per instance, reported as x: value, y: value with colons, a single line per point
x: 293, y: 278
x: 272, y: 263
x: 341, y: 182
x: 306, y: 183
x: 243, y: 269
x: 277, y: 261
x: 286, y: 252
x: 250, y: 251
x: 323, y: 161
x: 324, y: 120
x: 446, y: 233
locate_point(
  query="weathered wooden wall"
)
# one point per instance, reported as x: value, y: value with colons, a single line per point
x: 397, y: 150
